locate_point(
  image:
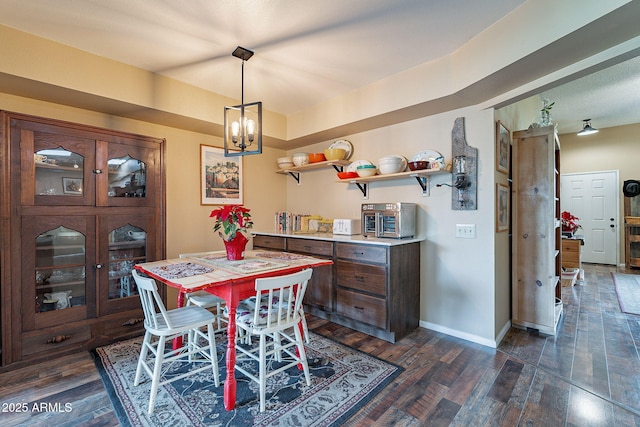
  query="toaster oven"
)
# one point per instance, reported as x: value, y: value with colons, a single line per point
x: 393, y: 220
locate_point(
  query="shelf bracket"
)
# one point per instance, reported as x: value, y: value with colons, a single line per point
x: 424, y: 183
x: 295, y: 175
x: 364, y: 187
x: 338, y: 168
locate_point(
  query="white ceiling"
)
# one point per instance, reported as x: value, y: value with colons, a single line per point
x: 305, y: 51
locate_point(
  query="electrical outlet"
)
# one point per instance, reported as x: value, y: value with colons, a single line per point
x: 466, y: 231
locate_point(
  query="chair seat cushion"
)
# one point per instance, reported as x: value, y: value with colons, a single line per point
x: 246, y: 308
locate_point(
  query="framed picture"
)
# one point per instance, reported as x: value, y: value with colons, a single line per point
x: 220, y: 177
x: 502, y: 207
x: 503, y: 148
x: 72, y: 185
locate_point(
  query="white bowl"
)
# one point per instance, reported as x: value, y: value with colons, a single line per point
x: 301, y: 159
x: 364, y: 172
x: 285, y: 162
x: 391, y: 164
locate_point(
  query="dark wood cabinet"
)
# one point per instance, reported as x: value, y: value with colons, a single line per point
x: 81, y: 206
x: 372, y: 288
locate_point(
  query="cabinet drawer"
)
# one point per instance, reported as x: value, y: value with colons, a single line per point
x: 313, y: 247
x: 123, y: 324
x: 364, y: 308
x: 367, y: 253
x: 271, y: 242
x: 54, y: 339
x: 364, y: 277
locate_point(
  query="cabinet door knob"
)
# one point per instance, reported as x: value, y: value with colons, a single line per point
x: 97, y: 171
x: 98, y: 266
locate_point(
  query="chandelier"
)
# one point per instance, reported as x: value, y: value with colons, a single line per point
x: 243, y: 123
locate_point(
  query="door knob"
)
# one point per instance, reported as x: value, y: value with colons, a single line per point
x: 612, y: 226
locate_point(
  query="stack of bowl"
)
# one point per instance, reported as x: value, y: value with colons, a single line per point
x: 300, y: 159
x: 285, y: 162
x: 392, y: 164
x: 317, y: 157
x: 366, y: 170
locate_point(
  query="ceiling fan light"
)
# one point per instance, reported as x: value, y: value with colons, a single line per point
x: 587, y: 129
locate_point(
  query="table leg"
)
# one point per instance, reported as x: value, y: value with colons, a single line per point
x: 177, y: 341
x: 230, y: 382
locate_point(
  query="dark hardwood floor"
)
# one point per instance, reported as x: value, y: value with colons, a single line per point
x: 588, y: 375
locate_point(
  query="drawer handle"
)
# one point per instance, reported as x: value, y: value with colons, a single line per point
x: 58, y: 339
x: 359, y: 253
x: 358, y: 308
x: 359, y: 278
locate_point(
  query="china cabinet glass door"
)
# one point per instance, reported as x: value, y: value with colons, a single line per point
x: 126, y: 243
x: 57, y: 255
x: 57, y: 170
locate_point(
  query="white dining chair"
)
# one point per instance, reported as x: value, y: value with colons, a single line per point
x: 276, y: 320
x: 166, y: 325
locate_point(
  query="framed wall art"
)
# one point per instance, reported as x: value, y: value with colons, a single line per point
x: 502, y: 207
x: 503, y: 148
x: 72, y: 186
x: 220, y: 177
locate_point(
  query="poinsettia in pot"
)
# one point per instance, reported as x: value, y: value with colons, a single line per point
x: 232, y: 221
x: 570, y: 222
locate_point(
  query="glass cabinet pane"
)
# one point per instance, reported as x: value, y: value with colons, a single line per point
x: 60, y: 270
x: 127, y: 247
x: 58, y: 172
x: 127, y: 177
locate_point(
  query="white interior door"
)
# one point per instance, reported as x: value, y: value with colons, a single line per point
x: 593, y: 197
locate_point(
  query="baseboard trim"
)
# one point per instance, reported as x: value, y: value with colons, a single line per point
x: 466, y: 336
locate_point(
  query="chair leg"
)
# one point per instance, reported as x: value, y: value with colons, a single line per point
x: 213, y: 354
x: 143, y: 355
x: 303, y: 355
x: 304, y: 326
x: 263, y: 372
x: 156, y: 373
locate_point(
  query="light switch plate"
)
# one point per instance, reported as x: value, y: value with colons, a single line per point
x: 466, y: 231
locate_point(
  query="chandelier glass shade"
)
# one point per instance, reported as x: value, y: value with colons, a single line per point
x: 243, y: 123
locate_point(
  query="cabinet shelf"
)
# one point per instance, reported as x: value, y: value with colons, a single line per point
x: 422, y: 176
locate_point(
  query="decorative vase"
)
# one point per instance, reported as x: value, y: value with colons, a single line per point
x: 235, y: 247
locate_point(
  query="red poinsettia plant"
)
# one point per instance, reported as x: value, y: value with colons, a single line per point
x: 569, y: 222
x: 231, y: 219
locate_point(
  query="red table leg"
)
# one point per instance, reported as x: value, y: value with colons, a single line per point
x: 230, y: 382
x: 177, y: 342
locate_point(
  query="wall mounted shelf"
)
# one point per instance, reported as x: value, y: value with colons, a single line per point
x: 423, y: 177
x: 338, y: 165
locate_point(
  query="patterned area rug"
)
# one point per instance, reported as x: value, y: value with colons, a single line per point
x: 628, y: 291
x: 342, y: 381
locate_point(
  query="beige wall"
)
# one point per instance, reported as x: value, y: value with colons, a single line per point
x: 616, y: 148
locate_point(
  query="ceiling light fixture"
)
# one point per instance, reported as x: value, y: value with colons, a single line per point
x: 243, y: 123
x: 587, y: 129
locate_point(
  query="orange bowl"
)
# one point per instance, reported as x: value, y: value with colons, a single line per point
x: 317, y: 157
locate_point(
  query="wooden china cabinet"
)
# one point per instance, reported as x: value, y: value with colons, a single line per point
x: 80, y: 207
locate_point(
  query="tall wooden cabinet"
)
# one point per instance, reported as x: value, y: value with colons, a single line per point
x: 80, y: 207
x: 537, y: 236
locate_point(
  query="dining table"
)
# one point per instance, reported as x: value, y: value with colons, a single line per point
x: 232, y: 280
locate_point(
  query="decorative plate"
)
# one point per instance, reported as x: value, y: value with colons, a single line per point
x: 431, y: 156
x: 353, y: 167
x: 345, y: 145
